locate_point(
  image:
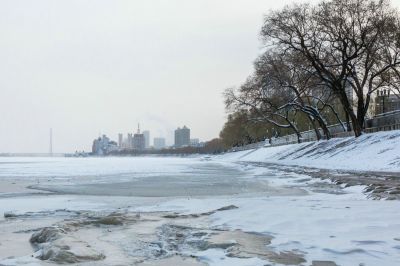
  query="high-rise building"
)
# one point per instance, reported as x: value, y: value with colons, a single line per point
x: 129, y: 144
x: 146, y: 134
x: 139, y: 142
x: 159, y: 143
x: 120, y: 140
x: 182, y: 137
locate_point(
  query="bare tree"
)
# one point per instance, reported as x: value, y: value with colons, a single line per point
x: 309, y: 96
x: 352, y: 45
x: 263, y: 103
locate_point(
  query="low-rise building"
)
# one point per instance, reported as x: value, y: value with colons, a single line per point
x: 159, y: 143
x: 386, y: 101
x: 194, y: 142
x: 103, y: 145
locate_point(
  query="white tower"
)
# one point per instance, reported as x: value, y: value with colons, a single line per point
x: 51, y: 142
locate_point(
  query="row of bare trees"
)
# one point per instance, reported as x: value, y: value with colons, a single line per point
x: 320, y: 61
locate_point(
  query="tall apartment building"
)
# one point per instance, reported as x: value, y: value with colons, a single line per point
x: 146, y: 134
x: 129, y: 141
x: 139, y: 142
x: 182, y: 137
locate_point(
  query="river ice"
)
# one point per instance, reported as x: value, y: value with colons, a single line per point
x: 333, y: 224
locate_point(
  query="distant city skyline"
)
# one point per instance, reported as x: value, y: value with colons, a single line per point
x: 122, y: 137
x: 140, y: 141
x: 86, y: 67
x: 125, y: 139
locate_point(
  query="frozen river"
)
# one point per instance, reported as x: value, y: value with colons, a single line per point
x: 186, y: 211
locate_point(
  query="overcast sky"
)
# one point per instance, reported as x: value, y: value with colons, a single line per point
x: 89, y: 67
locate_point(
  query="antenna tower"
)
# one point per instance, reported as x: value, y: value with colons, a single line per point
x: 51, y: 142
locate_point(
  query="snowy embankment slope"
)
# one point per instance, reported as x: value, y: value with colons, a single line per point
x: 370, y: 152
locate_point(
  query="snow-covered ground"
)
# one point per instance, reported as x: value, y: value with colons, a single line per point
x: 304, y: 217
x: 370, y: 152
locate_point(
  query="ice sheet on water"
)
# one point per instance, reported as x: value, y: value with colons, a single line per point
x: 25, y: 261
x: 75, y: 167
x: 217, y: 257
x: 18, y: 206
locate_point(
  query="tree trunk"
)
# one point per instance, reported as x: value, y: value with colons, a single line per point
x: 293, y: 126
x: 299, y: 138
x: 316, y: 129
x: 357, y: 126
x: 361, y: 112
x: 348, y: 126
x: 324, y: 128
x: 298, y: 134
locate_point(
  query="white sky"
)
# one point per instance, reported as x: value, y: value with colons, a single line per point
x: 84, y: 67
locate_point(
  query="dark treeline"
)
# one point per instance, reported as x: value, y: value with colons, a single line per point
x: 320, y: 65
x: 211, y: 147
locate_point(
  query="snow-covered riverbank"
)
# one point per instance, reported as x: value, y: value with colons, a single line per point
x: 188, y: 212
x: 370, y: 152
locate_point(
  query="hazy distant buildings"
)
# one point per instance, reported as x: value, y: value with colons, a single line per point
x: 139, y: 142
x: 146, y: 134
x: 159, y: 143
x: 194, y: 142
x: 129, y: 142
x: 182, y: 137
x: 103, y: 145
x: 120, y: 140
